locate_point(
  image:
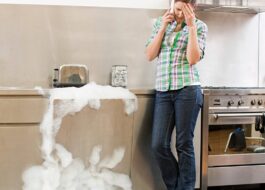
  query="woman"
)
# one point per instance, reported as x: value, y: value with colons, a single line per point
x: 178, y: 40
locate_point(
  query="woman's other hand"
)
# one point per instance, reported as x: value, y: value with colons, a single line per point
x: 193, y: 50
x: 189, y: 14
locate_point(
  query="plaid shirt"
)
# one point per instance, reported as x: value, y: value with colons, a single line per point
x: 173, y: 69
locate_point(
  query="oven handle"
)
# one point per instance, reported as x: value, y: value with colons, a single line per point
x: 216, y: 116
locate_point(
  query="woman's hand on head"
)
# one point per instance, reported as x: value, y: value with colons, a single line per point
x: 166, y: 19
x: 189, y: 14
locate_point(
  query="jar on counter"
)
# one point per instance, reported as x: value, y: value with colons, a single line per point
x: 119, y: 76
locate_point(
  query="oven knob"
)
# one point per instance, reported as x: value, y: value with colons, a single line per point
x: 240, y: 102
x: 260, y: 102
x: 230, y: 102
x: 253, y: 102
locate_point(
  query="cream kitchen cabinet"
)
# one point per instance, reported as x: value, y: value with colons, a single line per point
x: 20, y: 139
x: 144, y: 172
x: 20, y: 114
x: 109, y: 127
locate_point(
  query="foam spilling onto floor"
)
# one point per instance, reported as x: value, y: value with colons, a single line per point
x: 60, y: 171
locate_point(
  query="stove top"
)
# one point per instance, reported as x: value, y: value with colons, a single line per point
x: 234, y: 99
x: 223, y: 90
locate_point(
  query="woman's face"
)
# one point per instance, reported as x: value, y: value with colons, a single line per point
x: 178, y: 13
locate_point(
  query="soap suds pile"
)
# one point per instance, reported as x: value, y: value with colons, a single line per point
x: 60, y: 171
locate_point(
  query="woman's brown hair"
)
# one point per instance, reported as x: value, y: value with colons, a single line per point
x: 192, y: 2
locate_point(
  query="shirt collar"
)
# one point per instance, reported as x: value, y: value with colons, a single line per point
x: 174, y: 24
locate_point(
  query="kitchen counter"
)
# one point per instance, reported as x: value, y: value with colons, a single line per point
x: 143, y: 91
x: 32, y: 91
x: 18, y: 92
x: 23, y: 109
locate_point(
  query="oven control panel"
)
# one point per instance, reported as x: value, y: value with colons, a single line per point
x: 236, y: 102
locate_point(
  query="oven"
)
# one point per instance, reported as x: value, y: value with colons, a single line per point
x: 233, y: 124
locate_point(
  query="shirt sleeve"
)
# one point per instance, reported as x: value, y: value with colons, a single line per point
x: 202, y: 33
x: 155, y: 30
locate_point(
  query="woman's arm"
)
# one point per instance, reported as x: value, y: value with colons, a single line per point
x: 153, y: 49
x: 193, y: 49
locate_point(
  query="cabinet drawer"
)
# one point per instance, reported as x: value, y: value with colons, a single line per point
x: 22, y: 109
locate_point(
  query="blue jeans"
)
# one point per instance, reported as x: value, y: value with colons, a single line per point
x: 178, y: 108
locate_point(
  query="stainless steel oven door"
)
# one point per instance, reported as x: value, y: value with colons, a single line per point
x: 233, y: 118
x: 224, y: 128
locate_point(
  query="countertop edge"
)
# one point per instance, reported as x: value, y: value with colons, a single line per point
x: 35, y: 92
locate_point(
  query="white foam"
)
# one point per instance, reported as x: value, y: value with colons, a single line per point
x: 40, y: 90
x: 59, y: 170
x: 111, y: 162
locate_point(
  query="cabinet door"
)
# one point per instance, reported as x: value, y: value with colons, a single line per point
x: 19, y: 150
x: 20, y: 137
x: 145, y: 172
x: 22, y: 109
x: 109, y: 127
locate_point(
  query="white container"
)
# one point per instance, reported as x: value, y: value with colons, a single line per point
x: 119, y: 76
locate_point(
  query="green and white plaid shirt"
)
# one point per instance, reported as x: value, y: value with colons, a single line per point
x: 173, y: 69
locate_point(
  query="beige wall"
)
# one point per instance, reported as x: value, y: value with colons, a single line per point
x: 232, y: 50
x: 261, y: 51
x: 36, y: 39
x: 148, y: 4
